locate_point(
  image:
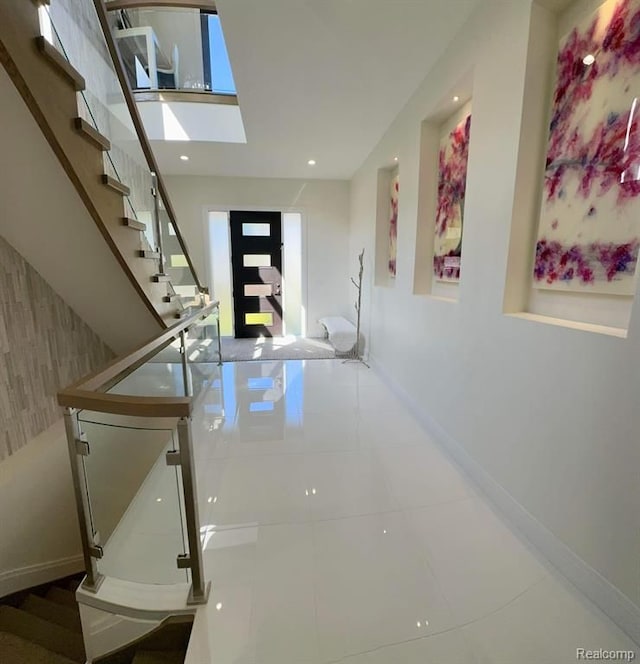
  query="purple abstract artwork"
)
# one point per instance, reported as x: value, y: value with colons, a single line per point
x: 452, y: 184
x: 589, y: 233
x: 393, y: 224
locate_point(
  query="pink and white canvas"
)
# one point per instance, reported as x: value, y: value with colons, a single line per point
x: 393, y: 223
x: 452, y: 184
x: 589, y: 231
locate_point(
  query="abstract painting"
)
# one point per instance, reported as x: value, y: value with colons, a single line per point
x: 393, y: 224
x: 589, y: 231
x: 452, y: 184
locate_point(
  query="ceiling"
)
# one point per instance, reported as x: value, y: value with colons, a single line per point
x: 318, y: 79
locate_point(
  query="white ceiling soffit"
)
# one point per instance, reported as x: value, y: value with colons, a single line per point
x: 319, y: 79
x: 179, y: 121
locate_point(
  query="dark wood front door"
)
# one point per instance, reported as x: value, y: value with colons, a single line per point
x: 256, y: 258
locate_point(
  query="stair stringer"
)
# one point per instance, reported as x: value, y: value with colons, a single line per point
x: 45, y: 220
x: 53, y: 102
x: 123, y: 613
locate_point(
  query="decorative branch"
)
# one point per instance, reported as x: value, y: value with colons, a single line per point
x: 358, y: 303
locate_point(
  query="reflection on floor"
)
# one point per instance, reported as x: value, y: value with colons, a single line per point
x: 276, y: 348
x: 336, y: 531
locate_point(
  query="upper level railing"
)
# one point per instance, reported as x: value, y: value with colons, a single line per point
x: 131, y: 446
x: 80, y: 31
x: 173, y: 46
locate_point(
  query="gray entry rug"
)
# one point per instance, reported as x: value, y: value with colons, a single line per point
x: 276, y: 348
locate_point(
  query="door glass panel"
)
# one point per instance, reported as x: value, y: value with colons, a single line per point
x: 256, y: 230
x: 256, y: 260
x: 259, y: 319
x: 258, y: 290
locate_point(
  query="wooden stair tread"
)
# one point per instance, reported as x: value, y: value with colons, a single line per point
x: 91, y: 134
x: 17, y: 649
x: 62, y: 596
x: 55, y: 613
x: 116, y: 185
x: 134, y: 224
x: 159, y: 657
x: 43, y: 633
x: 61, y: 64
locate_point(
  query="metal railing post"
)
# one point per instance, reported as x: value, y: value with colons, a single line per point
x: 185, y: 367
x: 219, y: 339
x: 156, y: 221
x: 90, y: 550
x: 199, y: 593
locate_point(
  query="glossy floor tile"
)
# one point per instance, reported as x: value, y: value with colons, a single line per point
x: 339, y: 532
x: 373, y: 586
x: 335, y: 530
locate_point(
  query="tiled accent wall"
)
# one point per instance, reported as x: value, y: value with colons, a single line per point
x: 44, y: 346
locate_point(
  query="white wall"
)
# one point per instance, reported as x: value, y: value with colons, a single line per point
x: 324, y: 205
x: 39, y: 536
x: 550, y: 413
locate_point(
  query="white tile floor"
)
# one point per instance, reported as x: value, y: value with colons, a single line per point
x: 335, y: 530
x: 338, y: 532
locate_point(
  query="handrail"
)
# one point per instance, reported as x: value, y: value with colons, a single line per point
x: 140, y: 130
x: 84, y: 394
x: 207, y: 5
x: 191, y: 96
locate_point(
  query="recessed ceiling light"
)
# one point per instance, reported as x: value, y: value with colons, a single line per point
x: 311, y: 162
x: 395, y: 159
x: 456, y: 98
x: 184, y: 157
x: 589, y: 59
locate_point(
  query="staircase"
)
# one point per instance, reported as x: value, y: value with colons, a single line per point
x: 50, y: 87
x: 42, y: 626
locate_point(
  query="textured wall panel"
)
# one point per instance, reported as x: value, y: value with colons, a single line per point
x: 44, y: 346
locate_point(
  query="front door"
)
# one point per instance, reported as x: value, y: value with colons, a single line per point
x: 256, y: 258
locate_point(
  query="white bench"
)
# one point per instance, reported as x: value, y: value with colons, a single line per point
x: 341, y: 333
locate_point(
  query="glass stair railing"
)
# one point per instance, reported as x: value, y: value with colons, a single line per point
x: 77, y: 39
x: 132, y: 457
x: 173, y: 49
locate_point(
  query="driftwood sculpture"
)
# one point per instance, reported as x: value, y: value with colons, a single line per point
x: 356, y: 355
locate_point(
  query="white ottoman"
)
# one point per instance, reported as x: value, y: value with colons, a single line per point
x: 341, y: 333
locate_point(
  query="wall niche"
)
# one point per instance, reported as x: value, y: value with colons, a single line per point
x: 444, y: 150
x: 388, y: 197
x: 575, y: 240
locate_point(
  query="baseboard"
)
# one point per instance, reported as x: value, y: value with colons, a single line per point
x: 26, y: 577
x: 611, y: 601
